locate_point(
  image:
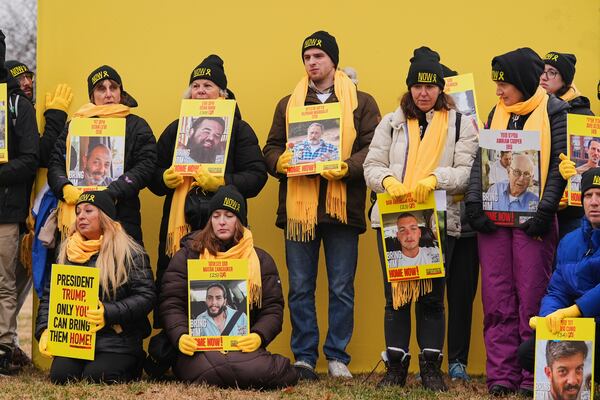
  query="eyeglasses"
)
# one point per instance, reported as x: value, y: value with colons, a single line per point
x: 518, y: 173
x: 550, y: 74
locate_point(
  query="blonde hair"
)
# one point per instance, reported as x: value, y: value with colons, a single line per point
x: 116, y: 253
x: 188, y: 93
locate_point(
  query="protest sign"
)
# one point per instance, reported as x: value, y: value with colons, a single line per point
x: 3, y: 124
x: 462, y: 90
x: 583, y: 148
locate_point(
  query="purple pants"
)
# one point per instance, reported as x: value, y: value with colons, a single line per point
x: 515, y: 270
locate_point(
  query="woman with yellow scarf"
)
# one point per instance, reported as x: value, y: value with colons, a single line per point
x: 424, y: 145
x: 226, y: 237
x: 516, y: 262
x: 127, y: 295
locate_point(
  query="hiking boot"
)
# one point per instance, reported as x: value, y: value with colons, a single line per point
x: 305, y: 371
x: 396, y: 365
x: 430, y: 362
x: 458, y: 370
x: 338, y: 369
x: 5, y: 360
x: 19, y: 358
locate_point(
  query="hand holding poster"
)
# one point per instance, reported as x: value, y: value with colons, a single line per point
x: 218, y: 303
x: 315, y: 137
x: 462, y: 90
x: 3, y: 124
x: 95, y: 152
x: 583, y: 148
x: 564, y: 361
x: 411, y: 238
x: 203, y: 136
x: 510, y: 175
x: 73, y: 290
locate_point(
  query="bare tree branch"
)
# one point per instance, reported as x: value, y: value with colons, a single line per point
x: 18, y: 21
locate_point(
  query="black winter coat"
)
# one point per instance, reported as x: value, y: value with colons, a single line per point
x: 555, y: 184
x: 129, y: 309
x: 140, y: 158
x: 23, y: 147
x: 245, y: 169
x: 580, y: 105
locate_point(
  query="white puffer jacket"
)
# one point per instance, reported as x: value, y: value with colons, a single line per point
x: 389, y: 150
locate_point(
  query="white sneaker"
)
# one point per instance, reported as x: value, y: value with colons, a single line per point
x: 338, y: 369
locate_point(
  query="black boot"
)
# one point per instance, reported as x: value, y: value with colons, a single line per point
x: 430, y: 362
x: 396, y: 364
x: 5, y: 360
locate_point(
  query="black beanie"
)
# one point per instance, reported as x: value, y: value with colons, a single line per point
x: 590, y: 179
x: 211, y: 69
x: 425, y: 68
x: 16, y: 68
x: 521, y: 68
x: 100, y: 199
x: 448, y: 72
x: 324, y: 41
x: 108, y: 72
x: 564, y: 63
x: 230, y: 199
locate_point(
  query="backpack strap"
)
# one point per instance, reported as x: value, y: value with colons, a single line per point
x: 13, y: 108
x: 457, y: 127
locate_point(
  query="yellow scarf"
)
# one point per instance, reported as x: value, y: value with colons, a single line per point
x: 423, y: 158
x: 302, y: 198
x: 538, y: 121
x: 66, y: 212
x: 177, y: 227
x: 244, y: 250
x: 80, y: 250
x: 570, y: 94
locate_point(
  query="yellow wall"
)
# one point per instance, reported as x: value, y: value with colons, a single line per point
x: 154, y: 45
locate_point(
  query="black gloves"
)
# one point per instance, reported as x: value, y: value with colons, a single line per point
x: 538, y: 225
x: 478, y: 220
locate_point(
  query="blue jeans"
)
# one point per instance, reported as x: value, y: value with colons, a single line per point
x: 341, y: 251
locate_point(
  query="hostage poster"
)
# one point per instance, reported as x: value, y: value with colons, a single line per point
x: 583, y: 148
x: 462, y: 90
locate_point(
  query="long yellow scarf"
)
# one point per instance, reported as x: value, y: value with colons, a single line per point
x: 80, y: 250
x: 244, y: 250
x: 177, y: 227
x: 302, y: 198
x: 423, y: 158
x: 66, y: 212
x: 538, y: 121
x: 571, y: 93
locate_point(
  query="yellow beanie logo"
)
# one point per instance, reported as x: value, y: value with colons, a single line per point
x: 497, y: 75
x: 90, y: 198
x: 551, y: 57
x: 312, y: 43
x: 426, y: 77
x: 198, y: 72
x: 231, y: 203
x: 99, y: 76
x: 18, y: 70
x: 596, y: 180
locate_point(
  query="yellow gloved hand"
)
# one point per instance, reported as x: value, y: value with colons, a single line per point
x: 96, y: 317
x: 172, y: 178
x: 249, y: 343
x: 553, y: 319
x: 63, y: 96
x: 533, y: 322
x: 186, y: 344
x: 336, y: 175
x: 394, y: 187
x: 283, y: 163
x: 71, y: 194
x: 43, y: 344
x: 566, y: 167
x: 424, y: 187
x: 207, y: 181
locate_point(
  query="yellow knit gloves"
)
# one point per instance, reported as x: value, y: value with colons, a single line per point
x: 424, y: 187
x: 71, y: 194
x: 63, y: 96
x: 96, y: 317
x: 187, y: 345
x: 336, y: 175
x: 394, y: 187
x: 553, y: 319
x: 208, y: 182
x: 249, y: 343
x: 172, y: 178
x: 566, y: 167
x: 43, y: 344
x: 283, y: 163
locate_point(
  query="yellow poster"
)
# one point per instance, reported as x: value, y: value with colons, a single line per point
x: 218, y: 309
x: 462, y: 90
x: 95, y: 152
x: 411, y: 237
x: 583, y: 148
x: 564, y: 361
x: 73, y: 290
x: 203, y: 136
x: 314, y: 136
x: 3, y: 124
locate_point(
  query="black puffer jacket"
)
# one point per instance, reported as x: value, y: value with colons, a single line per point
x: 257, y: 369
x: 23, y: 148
x: 140, y: 158
x: 245, y: 169
x: 55, y: 123
x: 555, y: 184
x: 129, y: 309
x: 580, y: 105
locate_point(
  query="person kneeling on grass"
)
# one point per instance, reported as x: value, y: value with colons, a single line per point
x: 225, y: 237
x: 127, y: 295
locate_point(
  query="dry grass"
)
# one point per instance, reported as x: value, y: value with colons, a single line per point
x: 34, y: 384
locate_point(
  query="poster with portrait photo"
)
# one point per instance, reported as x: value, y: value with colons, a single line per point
x: 95, y: 152
x: 410, y: 232
x: 583, y: 148
x: 510, y: 175
x: 3, y: 124
x: 218, y: 309
x: 314, y: 136
x: 462, y: 90
x: 203, y: 136
x: 564, y: 361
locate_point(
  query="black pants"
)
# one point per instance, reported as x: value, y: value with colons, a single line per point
x: 429, y: 310
x: 461, y: 281
x: 105, y: 368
